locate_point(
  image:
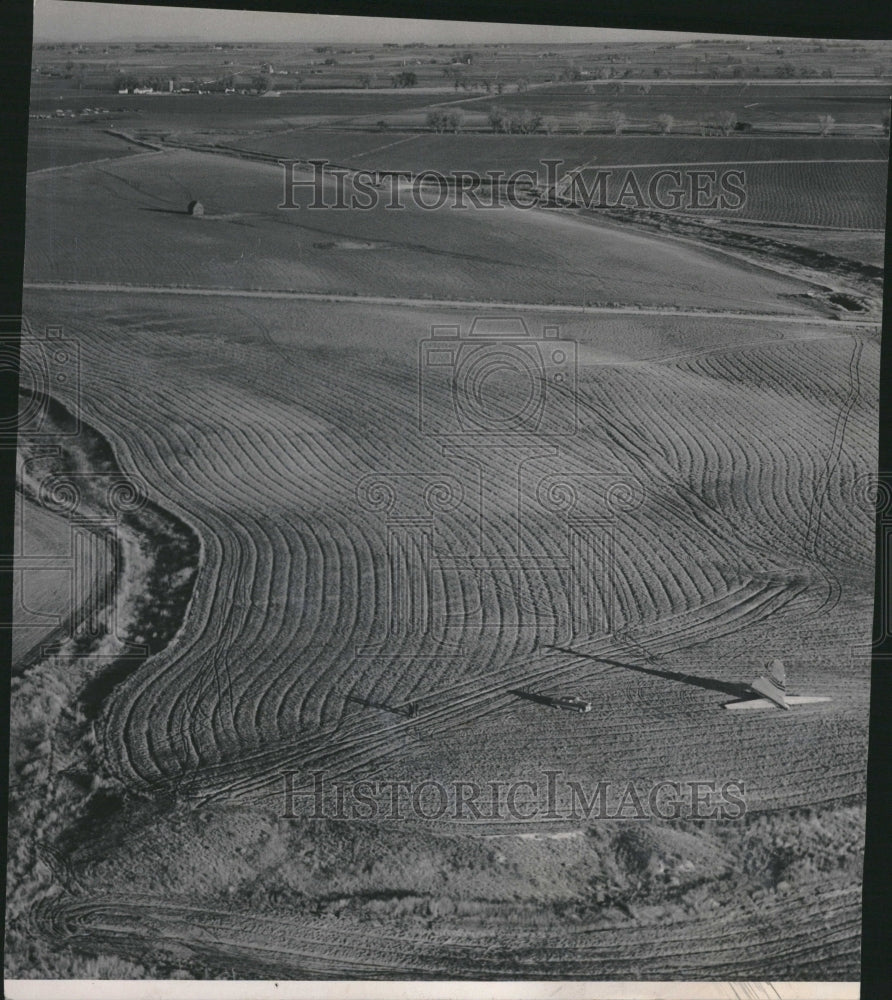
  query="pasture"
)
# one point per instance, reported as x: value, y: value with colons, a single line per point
x: 246, y: 241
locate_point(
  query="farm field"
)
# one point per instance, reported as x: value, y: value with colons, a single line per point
x: 759, y: 104
x: 425, y: 151
x: 246, y: 241
x: 856, y: 110
x: 730, y: 384
x: 234, y: 110
x: 416, y: 479
x: 642, y: 108
x: 847, y: 195
x: 827, y: 183
x: 54, y: 148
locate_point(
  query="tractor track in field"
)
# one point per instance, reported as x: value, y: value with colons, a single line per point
x: 263, y: 945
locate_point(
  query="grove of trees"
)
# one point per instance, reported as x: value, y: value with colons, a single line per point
x: 445, y: 121
x: 523, y: 121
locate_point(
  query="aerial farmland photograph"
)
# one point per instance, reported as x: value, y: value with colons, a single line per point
x: 445, y: 501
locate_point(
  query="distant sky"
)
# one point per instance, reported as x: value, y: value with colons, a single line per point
x: 64, y: 21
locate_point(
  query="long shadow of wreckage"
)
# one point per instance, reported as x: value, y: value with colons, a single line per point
x: 408, y: 711
x: 540, y: 699
x: 164, y: 211
x: 737, y: 690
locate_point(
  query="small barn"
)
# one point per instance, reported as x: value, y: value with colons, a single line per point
x: 195, y: 208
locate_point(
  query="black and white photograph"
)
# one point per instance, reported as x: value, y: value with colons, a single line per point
x: 447, y: 494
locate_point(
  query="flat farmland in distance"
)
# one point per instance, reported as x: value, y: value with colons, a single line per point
x: 418, y: 151
x: 764, y: 106
x: 754, y: 102
x: 777, y: 90
x: 210, y: 111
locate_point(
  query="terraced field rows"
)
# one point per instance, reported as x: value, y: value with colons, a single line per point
x: 266, y: 466
x: 835, y: 195
x: 767, y: 486
x: 255, y: 554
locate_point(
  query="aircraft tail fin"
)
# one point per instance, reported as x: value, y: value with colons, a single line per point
x: 773, y: 684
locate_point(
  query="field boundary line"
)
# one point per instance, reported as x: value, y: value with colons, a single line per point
x: 387, y: 145
x: 93, y: 163
x: 630, y: 310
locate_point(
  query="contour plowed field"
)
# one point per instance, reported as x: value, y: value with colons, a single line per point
x: 750, y: 516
